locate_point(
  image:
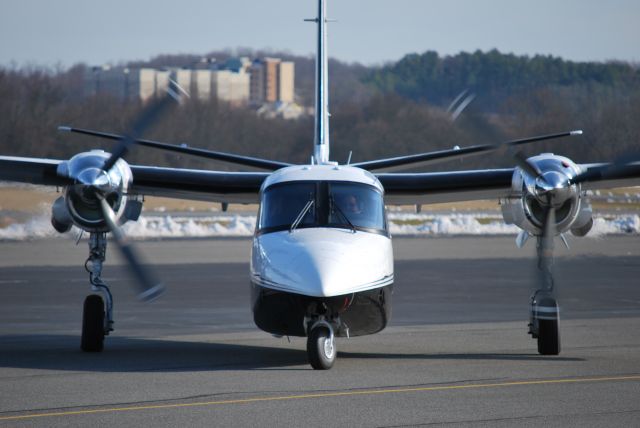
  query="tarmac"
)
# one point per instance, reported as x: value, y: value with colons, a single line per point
x: 456, y: 352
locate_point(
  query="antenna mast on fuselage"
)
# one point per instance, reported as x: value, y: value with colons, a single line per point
x: 321, y: 130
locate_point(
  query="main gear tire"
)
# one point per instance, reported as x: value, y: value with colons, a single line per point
x: 93, y: 324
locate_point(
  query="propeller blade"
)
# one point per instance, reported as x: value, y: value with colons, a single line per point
x: 545, y: 249
x: 463, y: 105
x: 456, y: 100
x: 149, y: 287
x: 148, y: 116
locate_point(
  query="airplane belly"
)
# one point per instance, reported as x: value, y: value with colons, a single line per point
x: 283, y: 313
x: 322, y: 262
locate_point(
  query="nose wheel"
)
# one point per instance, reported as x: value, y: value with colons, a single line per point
x: 321, y: 347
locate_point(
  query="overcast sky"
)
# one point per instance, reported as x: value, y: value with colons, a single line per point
x: 49, y: 32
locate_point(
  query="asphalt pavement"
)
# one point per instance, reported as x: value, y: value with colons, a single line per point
x: 456, y: 352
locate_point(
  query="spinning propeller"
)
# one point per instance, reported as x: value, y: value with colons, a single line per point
x: 551, y: 190
x: 98, y: 187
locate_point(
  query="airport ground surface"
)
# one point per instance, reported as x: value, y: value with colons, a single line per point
x: 456, y: 353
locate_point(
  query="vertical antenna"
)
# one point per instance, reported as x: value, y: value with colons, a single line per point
x: 321, y: 130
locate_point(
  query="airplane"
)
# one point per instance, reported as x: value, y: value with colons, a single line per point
x: 321, y: 261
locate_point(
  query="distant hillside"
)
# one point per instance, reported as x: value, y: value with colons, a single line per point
x: 436, y: 80
x: 375, y: 111
x: 493, y: 76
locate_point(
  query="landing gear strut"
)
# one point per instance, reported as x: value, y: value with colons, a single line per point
x: 97, y: 317
x: 321, y: 345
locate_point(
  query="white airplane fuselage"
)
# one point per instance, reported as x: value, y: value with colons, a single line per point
x: 335, y: 263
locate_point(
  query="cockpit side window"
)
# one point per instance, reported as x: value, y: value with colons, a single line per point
x: 282, y: 204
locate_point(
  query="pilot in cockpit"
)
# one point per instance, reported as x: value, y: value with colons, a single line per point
x: 350, y: 204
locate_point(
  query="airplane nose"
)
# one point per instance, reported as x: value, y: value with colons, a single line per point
x: 319, y: 271
x: 322, y: 265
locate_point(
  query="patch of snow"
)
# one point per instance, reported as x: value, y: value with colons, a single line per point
x: 620, y: 224
x: 38, y: 226
x: 422, y: 224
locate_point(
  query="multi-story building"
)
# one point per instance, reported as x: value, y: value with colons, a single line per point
x: 184, y: 78
x: 272, y: 80
x: 231, y: 86
x: 121, y: 83
x: 202, y: 80
x: 237, y: 81
x: 286, y: 75
x: 162, y: 81
x: 257, y: 83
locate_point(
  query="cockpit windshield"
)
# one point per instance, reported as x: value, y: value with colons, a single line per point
x: 301, y: 204
x: 282, y: 204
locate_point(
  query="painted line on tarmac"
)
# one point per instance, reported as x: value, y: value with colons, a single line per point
x: 327, y: 395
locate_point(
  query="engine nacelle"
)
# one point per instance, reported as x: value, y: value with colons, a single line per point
x: 526, y: 209
x: 80, y: 204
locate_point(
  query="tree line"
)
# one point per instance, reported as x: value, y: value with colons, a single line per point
x: 376, y: 112
x: 495, y: 76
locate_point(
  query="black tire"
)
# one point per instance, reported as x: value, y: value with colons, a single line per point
x: 321, y: 357
x: 92, y: 324
x: 548, y: 337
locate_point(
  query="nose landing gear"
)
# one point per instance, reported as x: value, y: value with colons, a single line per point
x: 321, y: 345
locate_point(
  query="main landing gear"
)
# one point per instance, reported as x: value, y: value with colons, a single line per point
x: 544, y: 321
x: 321, y: 345
x: 97, y: 316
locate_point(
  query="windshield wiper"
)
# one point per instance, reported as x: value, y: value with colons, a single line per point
x: 303, y: 213
x: 342, y: 214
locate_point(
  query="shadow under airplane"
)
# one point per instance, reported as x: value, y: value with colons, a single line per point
x: 62, y: 352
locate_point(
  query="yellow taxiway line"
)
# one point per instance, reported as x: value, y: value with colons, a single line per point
x: 326, y: 395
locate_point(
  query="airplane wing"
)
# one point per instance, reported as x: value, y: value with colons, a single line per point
x: 31, y: 170
x: 243, y: 187
x: 214, y: 186
x: 453, y: 186
x: 458, y: 186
